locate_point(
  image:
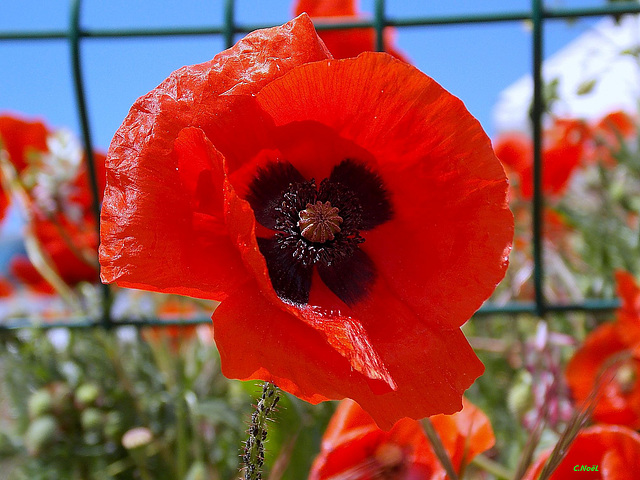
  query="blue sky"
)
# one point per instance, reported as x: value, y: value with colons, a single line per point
x: 475, y: 62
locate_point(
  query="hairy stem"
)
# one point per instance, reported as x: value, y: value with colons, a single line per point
x: 253, y: 456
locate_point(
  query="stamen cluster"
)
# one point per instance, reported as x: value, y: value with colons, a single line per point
x: 340, y: 245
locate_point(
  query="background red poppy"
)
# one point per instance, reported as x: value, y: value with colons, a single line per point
x: 345, y: 43
x: 613, y: 449
x: 19, y: 137
x: 354, y: 447
x: 619, y: 402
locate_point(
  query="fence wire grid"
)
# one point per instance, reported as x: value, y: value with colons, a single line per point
x: 537, y: 15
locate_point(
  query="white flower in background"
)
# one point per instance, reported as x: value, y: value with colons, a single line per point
x: 55, y: 173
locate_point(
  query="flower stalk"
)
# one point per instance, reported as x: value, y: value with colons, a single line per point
x: 438, y: 448
x: 253, y: 456
x: 490, y: 466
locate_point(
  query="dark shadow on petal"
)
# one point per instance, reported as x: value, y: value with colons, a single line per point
x: 368, y: 187
x: 290, y: 279
x: 351, y: 278
x: 266, y: 189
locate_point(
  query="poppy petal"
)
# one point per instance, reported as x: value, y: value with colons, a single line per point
x: 422, y: 138
x: 251, y: 342
x: 464, y: 434
x: 150, y: 237
x: 189, y: 236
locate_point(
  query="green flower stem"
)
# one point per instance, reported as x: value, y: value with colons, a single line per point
x: 181, y: 414
x: 254, y: 448
x: 438, y: 448
x: 494, y: 468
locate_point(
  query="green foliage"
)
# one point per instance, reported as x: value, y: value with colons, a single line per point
x: 66, y: 405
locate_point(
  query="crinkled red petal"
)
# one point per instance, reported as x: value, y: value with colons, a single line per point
x: 431, y: 368
x: 185, y: 247
x: 447, y: 246
x: 151, y: 236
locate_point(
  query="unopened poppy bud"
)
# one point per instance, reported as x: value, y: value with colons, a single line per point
x: 113, y: 424
x: 520, y: 397
x: 40, y: 434
x: 40, y: 402
x: 91, y: 419
x: 86, y: 395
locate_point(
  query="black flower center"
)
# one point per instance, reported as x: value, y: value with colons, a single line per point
x: 318, y: 227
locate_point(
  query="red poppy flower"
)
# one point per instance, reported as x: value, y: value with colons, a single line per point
x: 350, y: 215
x: 614, y: 450
x: 348, y: 42
x: 19, y: 138
x: 619, y: 402
x: 561, y: 154
x: 59, y: 207
x: 620, y: 399
x: 354, y: 447
x: 607, y: 134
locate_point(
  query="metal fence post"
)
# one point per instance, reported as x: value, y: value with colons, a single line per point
x: 76, y: 65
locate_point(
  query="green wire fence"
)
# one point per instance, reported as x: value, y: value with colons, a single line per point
x: 537, y: 15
